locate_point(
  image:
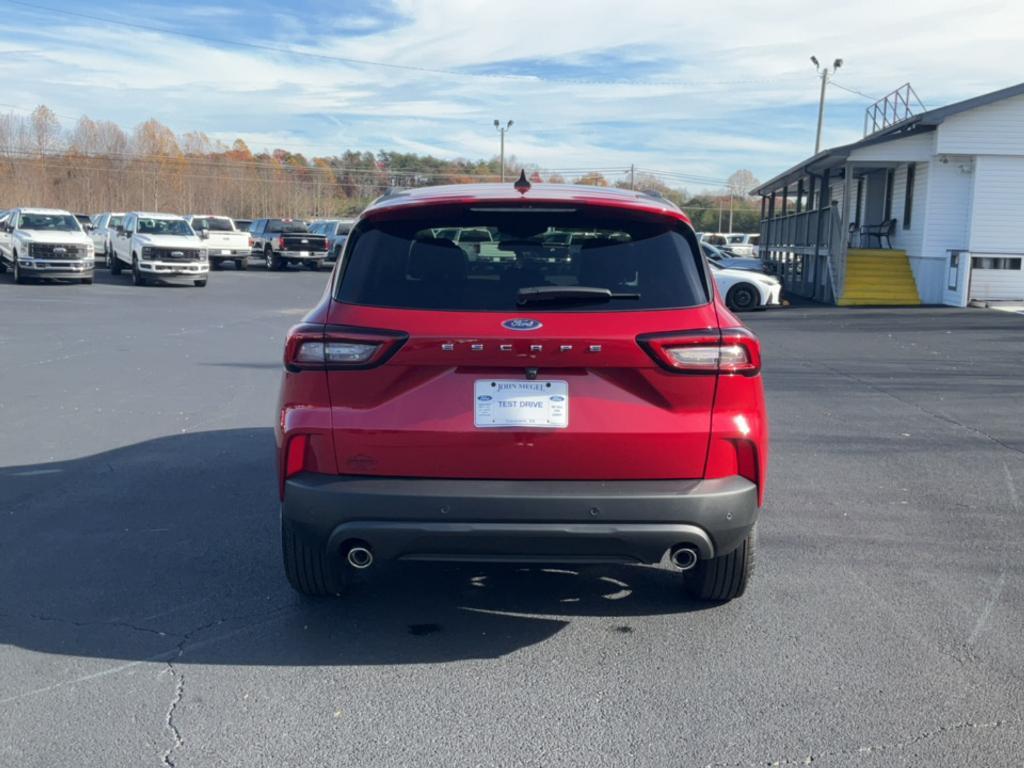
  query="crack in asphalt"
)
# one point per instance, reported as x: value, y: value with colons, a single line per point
x: 180, y: 649
x: 118, y: 624
x: 809, y: 759
x: 179, y: 693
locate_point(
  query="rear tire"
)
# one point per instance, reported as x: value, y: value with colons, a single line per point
x: 308, y: 570
x: 215, y: 264
x: 241, y: 264
x: 115, y: 264
x: 272, y: 261
x: 199, y: 283
x: 86, y: 281
x: 743, y: 298
x: 724, y: 578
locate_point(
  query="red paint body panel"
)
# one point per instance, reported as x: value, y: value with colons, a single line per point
x: 629, y: 418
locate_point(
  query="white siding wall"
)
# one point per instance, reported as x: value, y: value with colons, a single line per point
x: 920, y: 147
x: 997, y: 129
x: 947, y: 226
x: 997, y: 224
x: 910, y: 240
x: 998, y: 218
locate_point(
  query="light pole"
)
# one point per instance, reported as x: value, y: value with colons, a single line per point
x: 823, y: 72
x: 502, y: 129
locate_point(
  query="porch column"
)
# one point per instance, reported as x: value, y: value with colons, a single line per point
x: 821, y: 260
x: 844, y: 230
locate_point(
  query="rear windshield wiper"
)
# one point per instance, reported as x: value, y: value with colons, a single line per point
x: 568, y: 293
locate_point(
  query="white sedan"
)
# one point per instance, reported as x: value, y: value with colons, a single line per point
x: 744, y: 290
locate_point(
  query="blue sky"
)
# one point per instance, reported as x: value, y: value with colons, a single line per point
x: 697, y: 90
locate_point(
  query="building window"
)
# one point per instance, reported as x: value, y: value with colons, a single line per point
x: 890, y: 178
x: 995, y: 262
x: 908, y: 198
x: 860, y: 201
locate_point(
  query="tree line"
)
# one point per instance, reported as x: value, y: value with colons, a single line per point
x: 98, y: 166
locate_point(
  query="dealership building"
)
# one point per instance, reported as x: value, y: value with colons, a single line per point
x: 927, y: 208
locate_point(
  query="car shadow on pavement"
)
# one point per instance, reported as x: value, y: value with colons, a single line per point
x: 170, y: 548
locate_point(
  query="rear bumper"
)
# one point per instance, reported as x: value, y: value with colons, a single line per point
x: 520, y: 520
x: 302, y: 255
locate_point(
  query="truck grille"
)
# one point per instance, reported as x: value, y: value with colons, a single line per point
x: 173, y: 254
x: 57, y: 251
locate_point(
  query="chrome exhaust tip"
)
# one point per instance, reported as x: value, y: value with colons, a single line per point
x: 359, y: 557
x: 683, y: 557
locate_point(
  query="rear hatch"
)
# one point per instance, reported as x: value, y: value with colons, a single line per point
x: 519, y: 360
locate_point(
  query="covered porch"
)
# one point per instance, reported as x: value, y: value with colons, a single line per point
x: 831, y: 220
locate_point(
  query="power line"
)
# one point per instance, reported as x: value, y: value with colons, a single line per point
x: 391, y: 65
x: 852, y: 90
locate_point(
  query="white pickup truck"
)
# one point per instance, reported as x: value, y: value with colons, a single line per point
x: 103, y: 227
x: 158, y: 246
x: 223, y: 240
x: 45, y: 243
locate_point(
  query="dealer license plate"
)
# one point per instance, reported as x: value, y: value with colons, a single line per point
x: 502, y: 403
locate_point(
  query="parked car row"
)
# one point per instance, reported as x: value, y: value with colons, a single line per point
x: 49, y: 243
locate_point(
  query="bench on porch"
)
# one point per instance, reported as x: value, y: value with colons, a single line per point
x: 885, y: 231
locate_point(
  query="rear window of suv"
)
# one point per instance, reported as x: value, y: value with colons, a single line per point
x: 643, y: 262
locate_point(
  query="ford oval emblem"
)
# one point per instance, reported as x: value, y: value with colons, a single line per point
x: 522, y: 324
x: 485, y: 398
x: 556, y: 398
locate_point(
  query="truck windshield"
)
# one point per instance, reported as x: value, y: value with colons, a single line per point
x: 212, y: 223
x: 164, y: 227
x: 49, y: 221
x: 613, y: 261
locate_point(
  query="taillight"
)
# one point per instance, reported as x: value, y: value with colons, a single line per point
x: 728, y: 351
x: 280, y: 243
x: 318, y: 347
x: 295, y: 460
x: 251, y: 242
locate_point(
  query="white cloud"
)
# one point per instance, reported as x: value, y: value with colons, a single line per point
x: 743, y: 93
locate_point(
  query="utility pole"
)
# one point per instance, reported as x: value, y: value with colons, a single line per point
x: 823, y: 72
x: 632, y: 178
x: 730, y: 209
x: 502, y: 129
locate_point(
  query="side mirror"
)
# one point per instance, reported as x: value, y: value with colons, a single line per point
x: 204, y: 233
x: 89, y: 227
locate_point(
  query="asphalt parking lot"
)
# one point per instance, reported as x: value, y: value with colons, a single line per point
x: 145, y: 618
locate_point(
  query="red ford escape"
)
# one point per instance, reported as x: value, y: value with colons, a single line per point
x: 512, y: 374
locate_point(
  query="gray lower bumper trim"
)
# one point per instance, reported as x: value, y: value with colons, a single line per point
x: 627, y: 521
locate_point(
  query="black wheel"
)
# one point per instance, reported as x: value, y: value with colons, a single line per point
x: 86, y: 281
x: 137, y: 278
x: 199, y: 283
x: 3, y: 266
x: 723, y: 578
x: 215, y: 264
x: 307, y: 567
x: 313, y: 266
x: 242, y: 264
x: 18, y: 277
x: 270, y: 261
x: 742, y: 297
x: 115, y: 264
